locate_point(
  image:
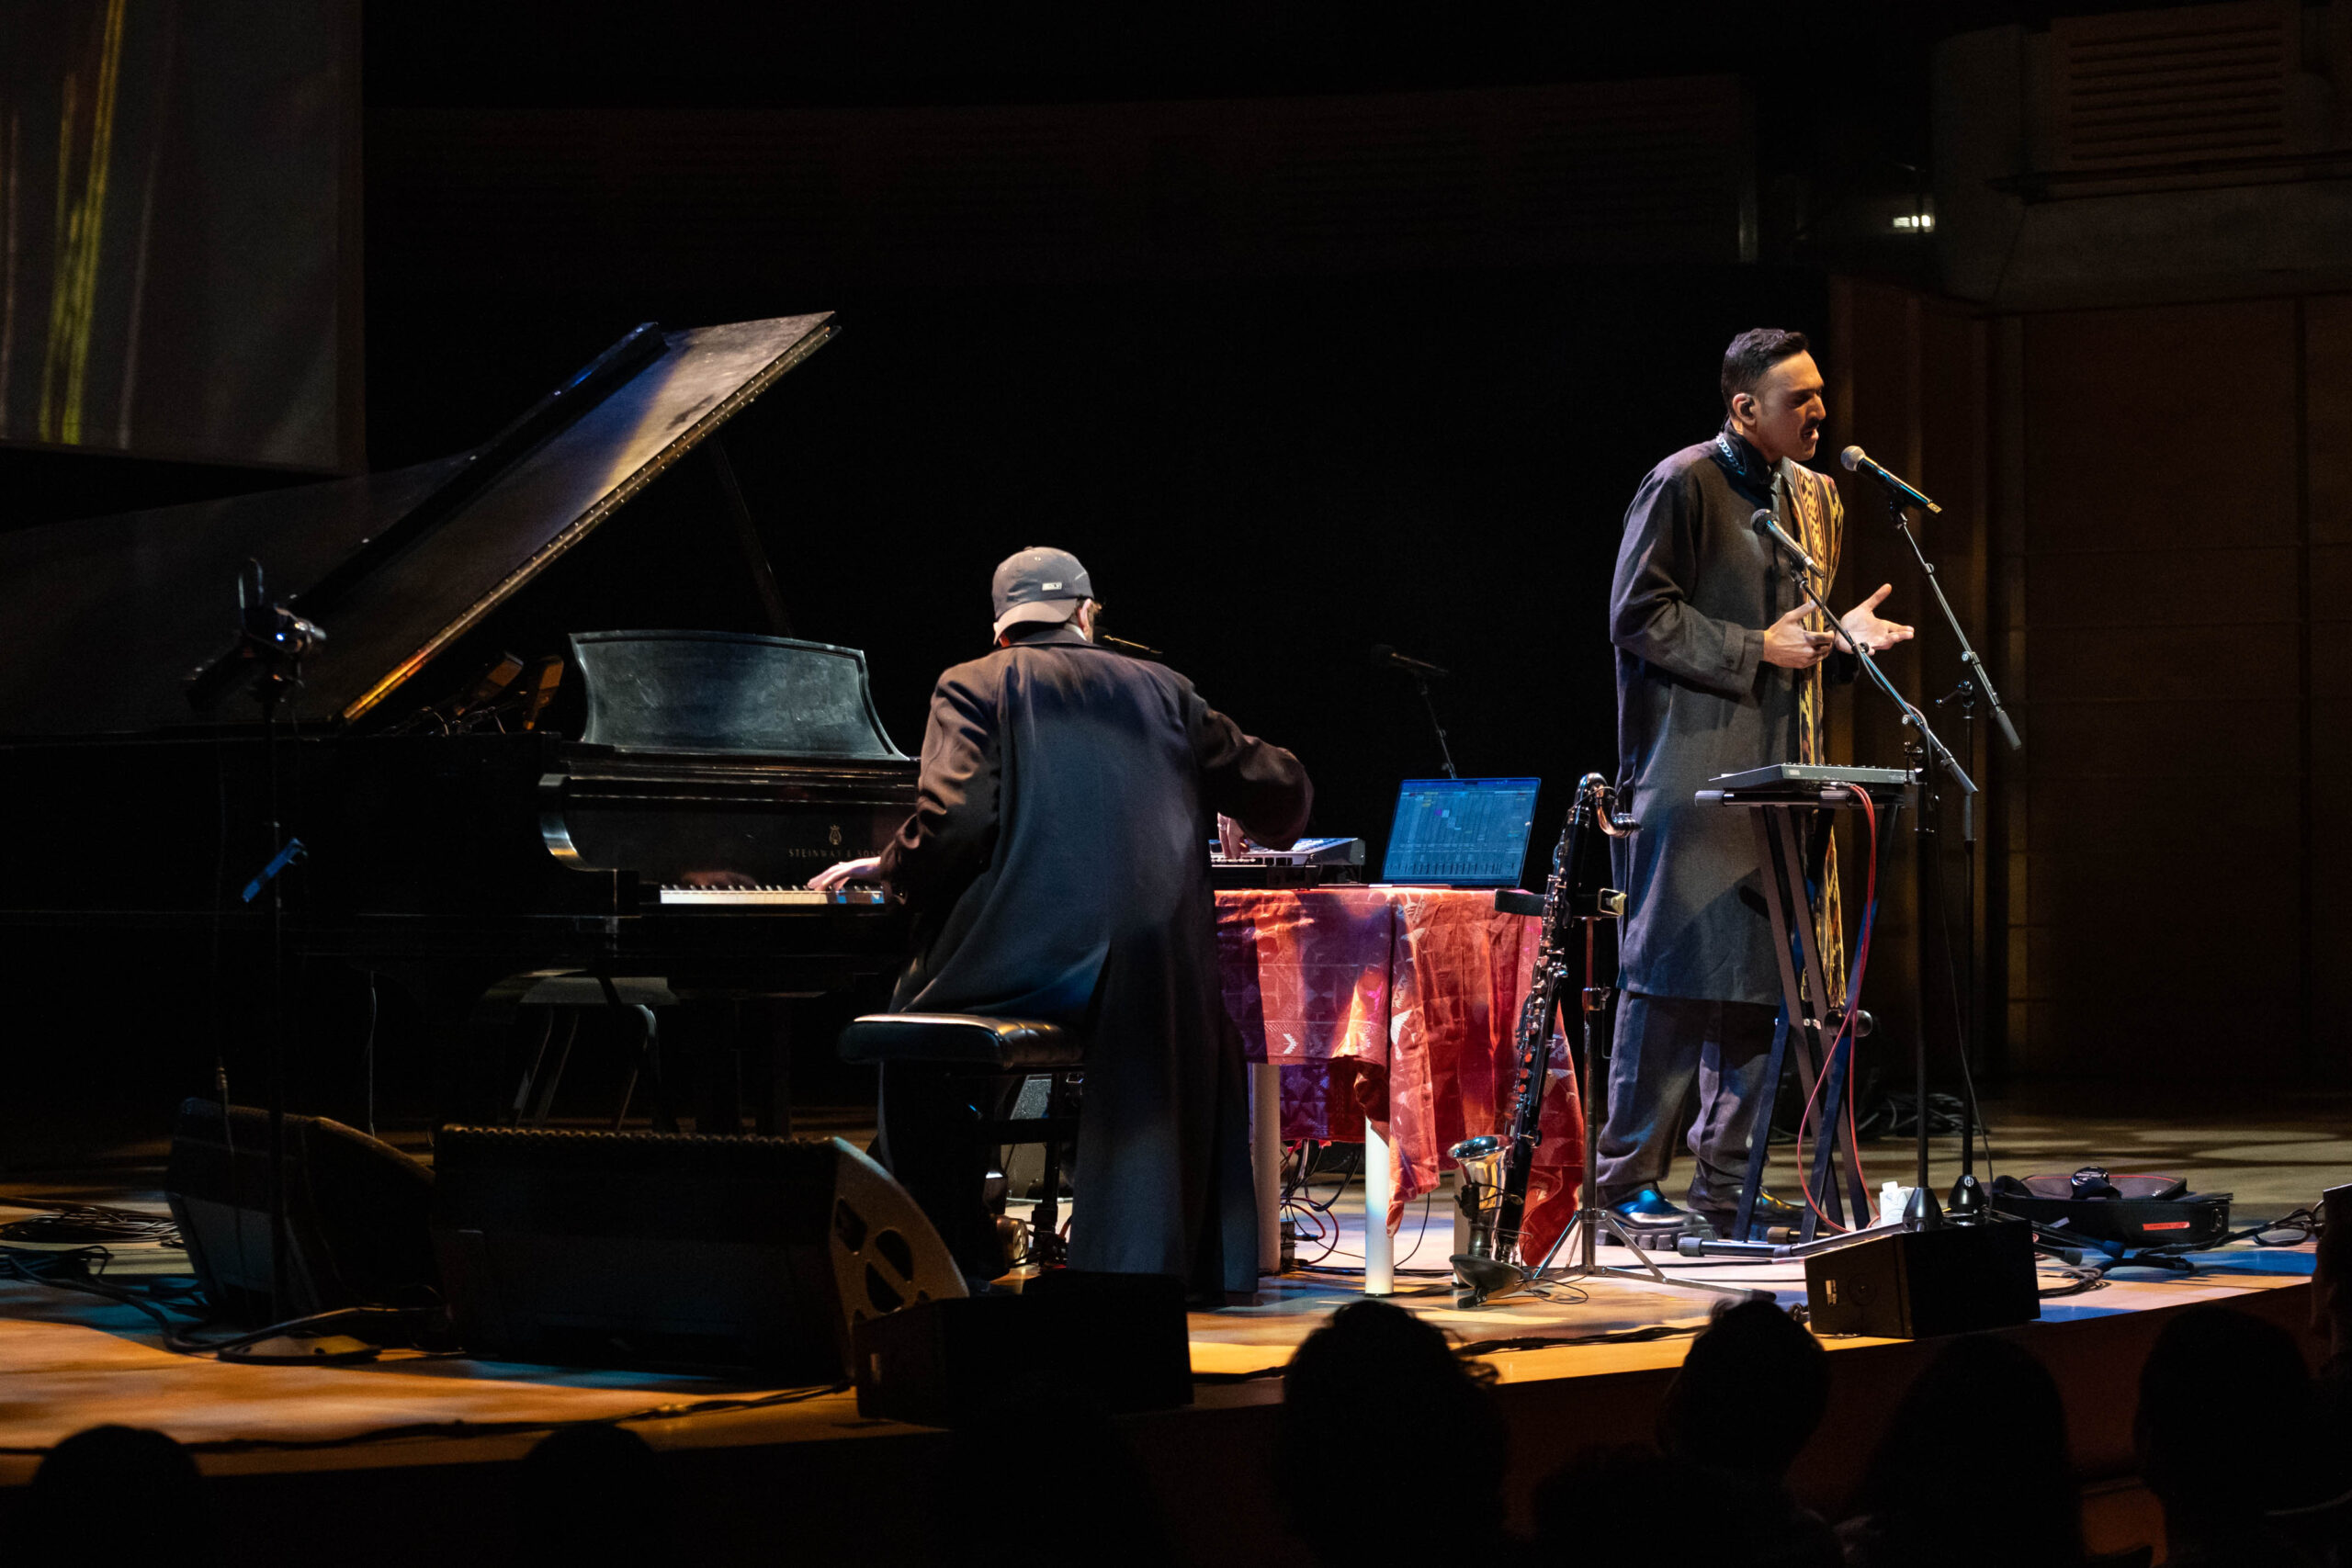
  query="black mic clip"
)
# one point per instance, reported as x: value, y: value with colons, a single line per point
x: 1766, y: 524
x: 1858, y: 461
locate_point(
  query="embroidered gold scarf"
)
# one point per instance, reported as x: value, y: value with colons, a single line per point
x: 1820, y: 520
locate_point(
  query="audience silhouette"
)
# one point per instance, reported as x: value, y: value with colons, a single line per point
x: 1755, y: 1371
x: 1087, y: 1499
x: 2226, y: 1434
x: 1746, y: 1399
x: 1377, y: 1378
x: 1973, y: 1469
x: 595, y: 1494
x: 126, y: 1491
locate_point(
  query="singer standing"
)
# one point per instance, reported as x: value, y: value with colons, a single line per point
x: 1720, y: 667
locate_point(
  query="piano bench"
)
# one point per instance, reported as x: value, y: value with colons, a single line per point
x: 958, y: 1092
x: 961, y: 1039
x: 632, y: 998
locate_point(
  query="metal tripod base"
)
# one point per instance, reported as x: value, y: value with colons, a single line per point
x: 1783, y: 1251
x: 1588, y: 1226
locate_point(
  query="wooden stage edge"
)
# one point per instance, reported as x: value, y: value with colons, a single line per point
x: 809, y: 1476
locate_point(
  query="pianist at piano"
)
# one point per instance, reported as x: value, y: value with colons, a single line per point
x: 1055, y: 869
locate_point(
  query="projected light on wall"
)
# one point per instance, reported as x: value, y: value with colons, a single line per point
x: 177, y: 189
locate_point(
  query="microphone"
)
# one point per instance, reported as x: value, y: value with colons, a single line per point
x: 1386, y: 658
x: 1858, y: 461
x: 1765, y: 523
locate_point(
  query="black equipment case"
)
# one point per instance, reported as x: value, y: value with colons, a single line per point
x: 2112, y: 1213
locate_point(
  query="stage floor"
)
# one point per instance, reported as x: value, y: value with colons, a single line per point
x: 1582, y: 1366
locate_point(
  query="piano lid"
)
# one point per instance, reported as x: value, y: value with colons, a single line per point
x: 109, y: 619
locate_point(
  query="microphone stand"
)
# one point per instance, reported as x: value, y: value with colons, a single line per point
x: 272, y: 642
x: 1976, y: 679
x: 1931, y: 750
x: 1901, y: 515
x: 1386, y: 658
x: 1422, y: 682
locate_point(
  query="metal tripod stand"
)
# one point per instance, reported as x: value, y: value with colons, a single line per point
x: 1591, y: 1219
x: 1495, y: 1170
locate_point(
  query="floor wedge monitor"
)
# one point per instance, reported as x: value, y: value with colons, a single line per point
x: 650, y: 1249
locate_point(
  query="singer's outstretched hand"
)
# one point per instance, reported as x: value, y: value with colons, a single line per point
x: 1866, y: 627
x: 1788, y: 644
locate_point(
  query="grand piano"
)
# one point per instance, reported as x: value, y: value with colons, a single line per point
x: 504, y: 785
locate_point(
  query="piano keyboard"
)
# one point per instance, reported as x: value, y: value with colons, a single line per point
x: 754, y: 897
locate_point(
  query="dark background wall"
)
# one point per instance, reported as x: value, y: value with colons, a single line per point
x: 2157, y: 573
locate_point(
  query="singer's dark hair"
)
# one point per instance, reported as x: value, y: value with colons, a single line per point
x: 1754, y: 352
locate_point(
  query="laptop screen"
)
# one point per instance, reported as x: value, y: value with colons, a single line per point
x: 1460, y: 832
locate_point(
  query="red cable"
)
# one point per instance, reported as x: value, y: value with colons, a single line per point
x: 1803, y: 1185
x: 1853, y: 1008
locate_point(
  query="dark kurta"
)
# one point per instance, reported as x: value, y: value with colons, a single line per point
x: 1695, y: 587
x: 1057, y: 866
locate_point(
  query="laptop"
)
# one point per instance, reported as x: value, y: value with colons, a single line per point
x: 1460, y: 832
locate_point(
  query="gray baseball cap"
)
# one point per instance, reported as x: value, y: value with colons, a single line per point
x: 1039, y: 584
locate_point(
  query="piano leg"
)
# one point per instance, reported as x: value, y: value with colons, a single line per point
x: 711, y: 1047
x: 738, y: 1054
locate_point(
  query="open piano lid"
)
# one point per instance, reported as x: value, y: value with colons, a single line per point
x: 109, y: 619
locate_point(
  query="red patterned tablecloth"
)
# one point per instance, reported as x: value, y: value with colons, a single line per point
x: 1396, y: 1005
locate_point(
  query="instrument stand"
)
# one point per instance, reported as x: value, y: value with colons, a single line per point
x: 1789, y: 866
x: 1965, y: 1011
x: 1922, y: 837
x: 1591, y: 1219
x: 1974, y: 679
x: 272, y: 640
x: 1929, y: 751
x: 1503, y: 1163
x: 1421, y: 684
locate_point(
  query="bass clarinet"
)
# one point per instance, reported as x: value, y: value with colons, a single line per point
x: 1492, y: 1191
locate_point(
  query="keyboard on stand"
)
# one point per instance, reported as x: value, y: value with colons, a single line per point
x: 1821, y: 784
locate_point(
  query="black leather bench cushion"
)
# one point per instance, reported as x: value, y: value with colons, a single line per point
x: 959, y: 1039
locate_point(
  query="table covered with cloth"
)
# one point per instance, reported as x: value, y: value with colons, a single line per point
x: 1396, y: 1006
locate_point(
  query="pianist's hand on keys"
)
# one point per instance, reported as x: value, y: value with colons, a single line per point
x: 833, y: 876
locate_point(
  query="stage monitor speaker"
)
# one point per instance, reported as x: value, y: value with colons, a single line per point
x: 1111, y: 1342
x: 356, y: 1215
x: 1915, y: 1284
x: 665, y: 1249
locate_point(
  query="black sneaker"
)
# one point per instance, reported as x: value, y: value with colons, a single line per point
x: 1770, y: 1215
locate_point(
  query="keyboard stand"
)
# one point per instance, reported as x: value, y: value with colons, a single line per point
x: 1789, y: 866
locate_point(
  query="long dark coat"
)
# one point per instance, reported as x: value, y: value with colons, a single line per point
x: 1695, y: 587
x: 1057, y: 866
